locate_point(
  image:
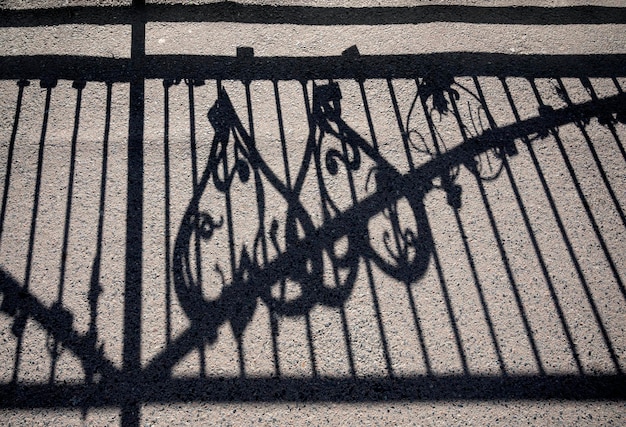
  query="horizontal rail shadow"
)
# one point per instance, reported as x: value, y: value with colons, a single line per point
x: 345, y: 66
x: 308, y: 15
x: 339, y: 390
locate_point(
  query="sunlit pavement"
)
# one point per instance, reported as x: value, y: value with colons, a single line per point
x: 312, y: 213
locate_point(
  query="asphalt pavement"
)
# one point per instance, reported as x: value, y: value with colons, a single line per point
x: 312, y: 212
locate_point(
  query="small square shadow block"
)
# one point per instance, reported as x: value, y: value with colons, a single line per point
x: 245, y: 52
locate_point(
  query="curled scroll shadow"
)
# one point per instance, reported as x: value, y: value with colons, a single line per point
x: 308, y: 252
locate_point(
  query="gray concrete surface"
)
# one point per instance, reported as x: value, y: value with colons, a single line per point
x: 444, y: 248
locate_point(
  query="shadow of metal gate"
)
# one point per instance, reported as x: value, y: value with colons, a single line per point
x: 353, y: 216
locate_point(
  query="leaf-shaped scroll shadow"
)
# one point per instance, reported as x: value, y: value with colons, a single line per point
x: 406, y: 248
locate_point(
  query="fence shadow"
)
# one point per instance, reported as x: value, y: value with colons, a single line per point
x: 377, y: 224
